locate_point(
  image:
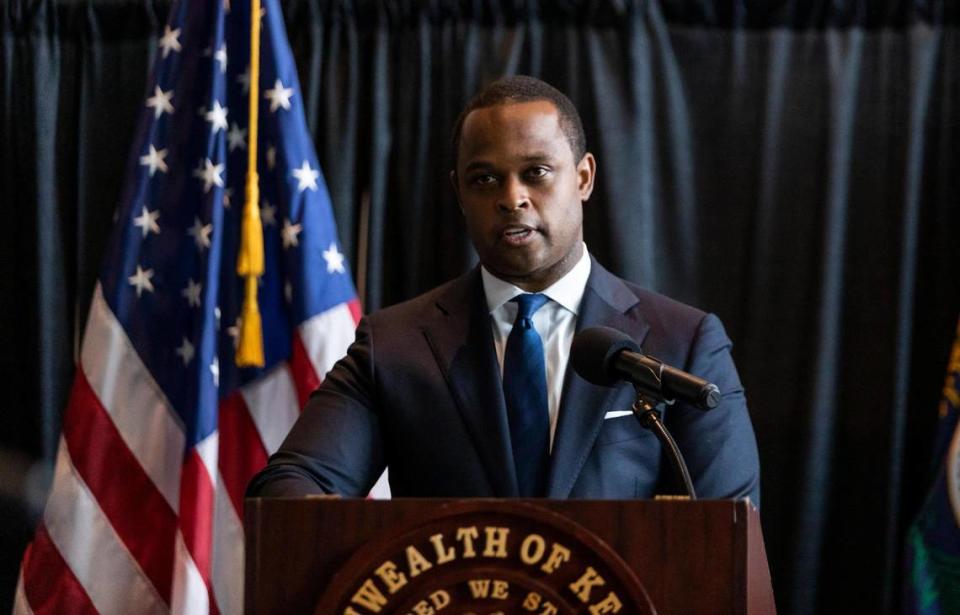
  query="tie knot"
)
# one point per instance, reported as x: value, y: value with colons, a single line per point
x: 528, y: 304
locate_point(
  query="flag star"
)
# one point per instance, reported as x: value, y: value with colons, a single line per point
x: 192, y: 293
x: 271, y: 157
x: 244, y: 80
x: 160, y: 102
x: 334, y: 259
x: 289, y: 233
x: 237, y: 137
x: 217, y: 116
x: 279, y: 96
x: 154, y: 160
x: 185, y: 351
x: 288, y: 291
x: 227, y: 195
x: 200, y: 233
x: 234, y: 332
x: 209, y: 173
x: 306, y: 177
x: 147, y: 221
x: 268, y: 214
x: 226, y: 6
x: 141, y: 280
x: 169, y: 41
x: 216, y: 316
x: 215, y: 370
x: 221, y: 57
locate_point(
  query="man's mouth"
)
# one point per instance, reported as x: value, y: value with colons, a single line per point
x: 517, y: 235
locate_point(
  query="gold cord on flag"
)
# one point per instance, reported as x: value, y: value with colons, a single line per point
x: 250, y: 258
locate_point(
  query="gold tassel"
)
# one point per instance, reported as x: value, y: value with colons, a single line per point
x: 250, y: 258
x: 250, y: 346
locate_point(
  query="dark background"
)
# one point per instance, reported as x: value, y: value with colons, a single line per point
x: 791, y: 166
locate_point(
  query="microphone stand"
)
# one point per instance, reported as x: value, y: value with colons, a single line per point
x: 645, y: 409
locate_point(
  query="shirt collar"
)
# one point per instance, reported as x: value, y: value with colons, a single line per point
x: 567, y: 291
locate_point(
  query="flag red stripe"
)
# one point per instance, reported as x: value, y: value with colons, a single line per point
x: 196, y: 517
x: 125, y: 493
x: 305, y: 378
x: 242, y: 452
x: 52, y: 584
x: 354, y: 305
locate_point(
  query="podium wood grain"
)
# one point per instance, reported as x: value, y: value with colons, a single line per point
x: 690, y: 557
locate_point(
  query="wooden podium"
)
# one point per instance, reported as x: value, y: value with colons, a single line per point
x: 486, y: 556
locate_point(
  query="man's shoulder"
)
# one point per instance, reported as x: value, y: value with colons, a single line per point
x: 448, y: 296
x: 662, y: 304
x: 665, y: 327
x: 652, y: 305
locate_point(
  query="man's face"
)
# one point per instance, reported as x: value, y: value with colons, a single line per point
x: 521, y: 192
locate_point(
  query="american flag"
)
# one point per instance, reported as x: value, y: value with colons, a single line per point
x: 163, y: 430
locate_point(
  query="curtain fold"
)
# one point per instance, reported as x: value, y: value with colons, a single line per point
x: 792, y: 167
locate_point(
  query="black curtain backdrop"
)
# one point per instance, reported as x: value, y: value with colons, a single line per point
x: 792, y: 168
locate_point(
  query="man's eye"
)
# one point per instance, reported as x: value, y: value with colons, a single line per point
x: 538, y: 172
x: 484, y: 179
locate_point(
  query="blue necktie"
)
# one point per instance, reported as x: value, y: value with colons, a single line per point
x: 525, y: 391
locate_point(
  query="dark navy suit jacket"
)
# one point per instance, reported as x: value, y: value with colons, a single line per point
x: 420, y: 391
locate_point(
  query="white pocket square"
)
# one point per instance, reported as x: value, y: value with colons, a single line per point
x: 616, y: 413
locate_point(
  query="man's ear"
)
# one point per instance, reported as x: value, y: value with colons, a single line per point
x: 456, y: 188
x: 586, y: 173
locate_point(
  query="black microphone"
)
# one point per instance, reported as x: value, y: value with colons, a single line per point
x: 604, y: 356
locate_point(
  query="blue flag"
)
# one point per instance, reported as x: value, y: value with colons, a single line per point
x: 933, y: 541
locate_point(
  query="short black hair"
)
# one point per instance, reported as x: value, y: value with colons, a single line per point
x: 520, y: 89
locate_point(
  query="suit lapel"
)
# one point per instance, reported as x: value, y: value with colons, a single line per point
x: 606, y: 300
x: 462, y: 343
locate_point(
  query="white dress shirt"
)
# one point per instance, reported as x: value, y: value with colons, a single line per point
x: 555, y: 322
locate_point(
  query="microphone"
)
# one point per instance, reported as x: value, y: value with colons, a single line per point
x: 604, y: 356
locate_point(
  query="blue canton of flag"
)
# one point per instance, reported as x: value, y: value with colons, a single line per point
x: 163, y: 429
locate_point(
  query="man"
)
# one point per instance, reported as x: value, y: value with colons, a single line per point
x: 465, y: 390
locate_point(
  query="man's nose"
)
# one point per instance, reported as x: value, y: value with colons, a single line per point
x: 514, y: 195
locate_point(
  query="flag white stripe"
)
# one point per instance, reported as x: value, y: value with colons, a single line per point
x: 189, y: 591
x: 327, y: 336
x: 227, y: 554
x: 208, y: 450
x: 20, y: 604
x: 133, y: 399
x: 91, y: 547
x: 273, y: 406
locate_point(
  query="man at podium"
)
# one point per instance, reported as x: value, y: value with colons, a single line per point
x: 465, y: 391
